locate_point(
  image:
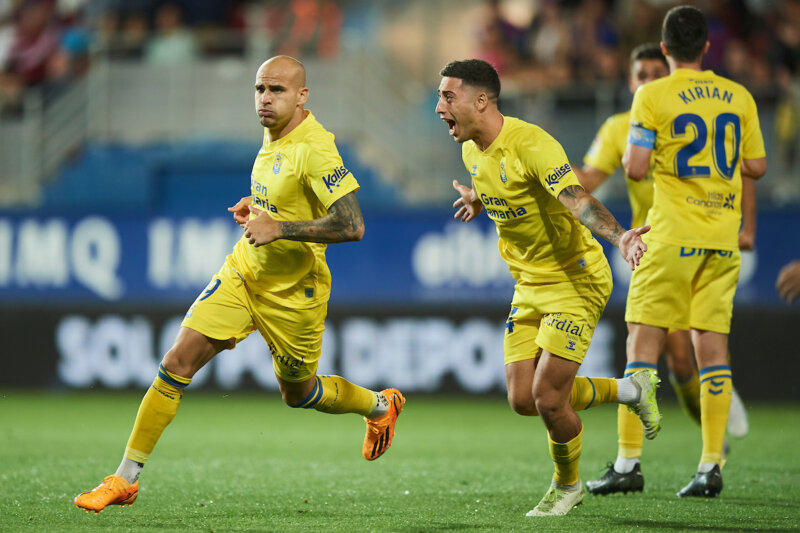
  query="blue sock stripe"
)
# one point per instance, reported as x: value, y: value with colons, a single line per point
x: 720, y: 376
x: 313, y: 396
x: 630, y: 368
x: 162, y: 373
x: 714, y: 369
x: 594, y: 392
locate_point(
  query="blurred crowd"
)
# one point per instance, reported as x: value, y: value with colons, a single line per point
x: 46, y: 43
x: 533, y: 44
x: 755, y: 42
x: 573, y: 42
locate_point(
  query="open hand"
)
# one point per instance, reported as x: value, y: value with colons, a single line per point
x: 631, y: 245
x: 468, y: 206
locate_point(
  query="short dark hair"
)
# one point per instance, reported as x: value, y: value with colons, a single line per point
x: 685, y: 33
x: 475, y: 72
x: 648, y: 51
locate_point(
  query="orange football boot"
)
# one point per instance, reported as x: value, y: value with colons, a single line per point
x: 380, y: 431
x: 114, y: 490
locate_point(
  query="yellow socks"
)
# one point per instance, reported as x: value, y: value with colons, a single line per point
x: 715, y: 401
x: 688, y: 395
x: 566, y: 456
x: 629, y: 428
x: 157, y: 409
x: 336, y: 395
x: 588, y: 392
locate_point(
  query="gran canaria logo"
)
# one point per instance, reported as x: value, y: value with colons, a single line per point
x: 498, y: 208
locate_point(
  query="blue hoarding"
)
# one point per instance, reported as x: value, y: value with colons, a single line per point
x: 405, y: 258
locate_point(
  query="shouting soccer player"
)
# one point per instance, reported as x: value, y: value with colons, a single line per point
x: 704, y: 132
x: 603, y: 158
x: 521, y: 178
x: 276, y: 281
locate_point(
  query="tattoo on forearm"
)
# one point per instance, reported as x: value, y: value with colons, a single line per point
x: 592, y: 214
x: 342, y: 223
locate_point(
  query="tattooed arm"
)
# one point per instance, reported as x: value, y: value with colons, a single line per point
x: 343, y: 223
x: 594, y: 215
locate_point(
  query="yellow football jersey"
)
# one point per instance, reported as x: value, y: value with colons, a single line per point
x: 700, y: 127
x: 518, y: 179
x: 605, y: 154
x: 297, y: 177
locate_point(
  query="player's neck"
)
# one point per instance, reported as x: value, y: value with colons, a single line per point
x: 489, y: 132
x: 691, y: 65
x: 281, y: 132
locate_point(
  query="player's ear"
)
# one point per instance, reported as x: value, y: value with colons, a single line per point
x: 664, y: 49
x: 302, y: 96
x: 706, y: 47
x: 481, y: 101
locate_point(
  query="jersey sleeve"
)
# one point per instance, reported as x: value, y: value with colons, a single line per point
x: 326, y: 174
x: 752, y: 139
x: 544, y: 159
x: 643, y: 120
x: 603, y: 153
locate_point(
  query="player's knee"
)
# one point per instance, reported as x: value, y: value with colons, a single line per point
x: 179, y: 362
x: 546, y: 405
x: 522, y: 406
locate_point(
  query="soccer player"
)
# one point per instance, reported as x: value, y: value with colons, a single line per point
x: 704, y: 134
x: 647, y: 63
x: 276, y: 281
x: 521, y: 178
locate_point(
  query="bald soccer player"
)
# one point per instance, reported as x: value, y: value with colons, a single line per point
x: 275, y: 281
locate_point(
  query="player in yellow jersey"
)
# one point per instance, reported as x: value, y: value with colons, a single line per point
x: 604, y: 157
x: 702, y: 133
x: 276, y: 281
x: 522, y: 180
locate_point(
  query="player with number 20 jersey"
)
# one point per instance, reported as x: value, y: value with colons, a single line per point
x: 698, y: 140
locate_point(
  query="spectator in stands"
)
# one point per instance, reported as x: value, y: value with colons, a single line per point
x: 173, y: 43
x: 500, y: 42
x: 34, y: 42
x: 595, y: 52
x: 305, y: 27
x: 550, y: 46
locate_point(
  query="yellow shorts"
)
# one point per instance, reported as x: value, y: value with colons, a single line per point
x: 557, y: 317
x: 678, y: 287
x: 227, y: 310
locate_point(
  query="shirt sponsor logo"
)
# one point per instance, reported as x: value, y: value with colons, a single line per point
x: 335, y: 178
x: 563, y: 324
x: 554, y: 177
x: 689, y: 252
x: 258, y: 191
x: 714, y: 200
x: 498, y: 208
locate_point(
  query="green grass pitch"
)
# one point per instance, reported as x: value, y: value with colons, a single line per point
x: 245, y: 462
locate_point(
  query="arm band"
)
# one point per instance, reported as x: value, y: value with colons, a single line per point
x: 643, y: 137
